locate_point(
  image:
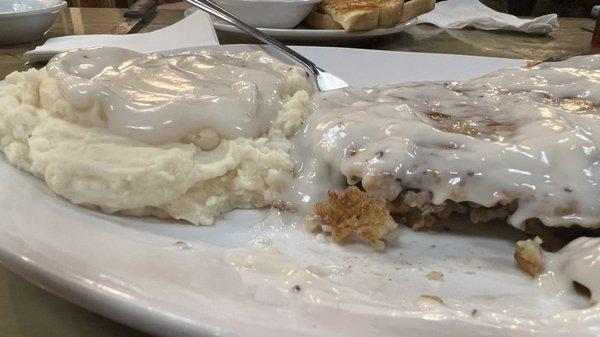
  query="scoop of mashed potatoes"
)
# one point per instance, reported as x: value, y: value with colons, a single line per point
x: 84, y: 161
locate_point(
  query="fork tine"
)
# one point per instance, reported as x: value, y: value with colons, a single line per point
x: 325, y: 81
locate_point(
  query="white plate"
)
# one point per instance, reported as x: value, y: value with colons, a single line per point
x: 297, y: 34
x: 132, y: 270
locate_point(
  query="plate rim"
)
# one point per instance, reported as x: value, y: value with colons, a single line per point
x: 320, y: 33
x: 108, y: 305
x: 100, y: 303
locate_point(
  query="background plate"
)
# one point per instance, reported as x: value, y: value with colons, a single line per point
x: 238, y: 277
x: 300, y: 34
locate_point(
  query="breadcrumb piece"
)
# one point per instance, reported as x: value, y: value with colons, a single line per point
x: 432, y: 297
x: 312, y: 223
x: 435, y: 276
x: 353, y: 211
x: 529, y: 256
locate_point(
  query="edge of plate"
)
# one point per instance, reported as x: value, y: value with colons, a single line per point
x: 320, y: 34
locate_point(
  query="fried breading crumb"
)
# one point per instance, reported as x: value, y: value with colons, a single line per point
x: 353, y: 211
x: 432, y: 298
x: 435, y: 276
x: 529, y: 256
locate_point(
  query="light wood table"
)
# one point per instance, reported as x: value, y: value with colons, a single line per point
x: 27, y: 311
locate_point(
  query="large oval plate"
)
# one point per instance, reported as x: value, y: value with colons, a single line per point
x: 171, y: 279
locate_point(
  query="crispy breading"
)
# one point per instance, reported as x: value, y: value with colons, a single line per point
x: 432, y: 298
x: 435, y: 276
x: 353, y: 211
x: 529, y: 256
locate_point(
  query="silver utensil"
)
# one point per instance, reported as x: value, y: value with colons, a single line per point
x: 325, y: 81
x: 139, y: 12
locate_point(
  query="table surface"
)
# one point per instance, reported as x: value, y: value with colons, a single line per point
x: 28, y: 311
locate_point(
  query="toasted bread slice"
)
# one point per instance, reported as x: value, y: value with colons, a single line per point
x: 390, y: 14
x: 414, y: 8
x: 355, y: 15
x: 411, y: 9
x: 321, y: 21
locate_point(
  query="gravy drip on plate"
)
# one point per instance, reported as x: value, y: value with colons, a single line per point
x: 526, y: 135
x: 163, y: 98
x: 579, y: 261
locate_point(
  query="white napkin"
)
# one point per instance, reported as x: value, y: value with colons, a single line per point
x: 457, y: 14
x: 194, y: 31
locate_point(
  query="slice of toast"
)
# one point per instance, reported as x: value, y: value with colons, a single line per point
x: 321, y: 21
x: 412, y: 8
x: 390, y: 14
x: 356, y: 15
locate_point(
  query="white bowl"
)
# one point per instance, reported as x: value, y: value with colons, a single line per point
x: 270, y: 13
x: 27, y: 20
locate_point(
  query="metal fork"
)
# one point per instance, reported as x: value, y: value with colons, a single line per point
x: 325, y: 81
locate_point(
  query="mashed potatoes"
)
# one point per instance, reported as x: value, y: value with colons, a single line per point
x: 45, y: 130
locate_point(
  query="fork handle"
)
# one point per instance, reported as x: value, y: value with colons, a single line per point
x: 212, y: 8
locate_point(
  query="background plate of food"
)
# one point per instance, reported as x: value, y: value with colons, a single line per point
x: 327, y: 21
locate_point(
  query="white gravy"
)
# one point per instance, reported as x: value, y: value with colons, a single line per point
x: 159, y: 98
x: 526, y: 135
x: 578, y: 261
